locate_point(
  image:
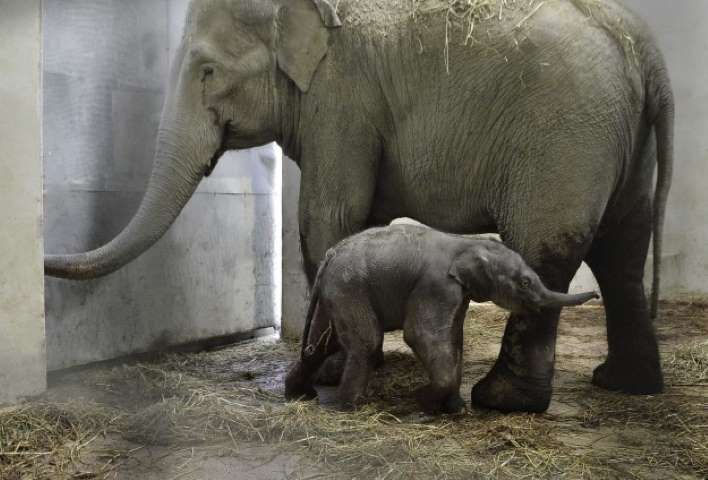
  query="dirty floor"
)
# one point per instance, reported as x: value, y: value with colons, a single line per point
x: 220, y: 415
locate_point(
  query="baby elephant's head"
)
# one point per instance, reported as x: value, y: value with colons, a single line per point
x: 492, y: 271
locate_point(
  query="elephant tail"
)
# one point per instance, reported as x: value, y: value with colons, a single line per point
x: 315, y: 297
x: 663, y: 108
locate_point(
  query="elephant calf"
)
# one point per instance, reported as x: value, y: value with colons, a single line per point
x: 417, y: 279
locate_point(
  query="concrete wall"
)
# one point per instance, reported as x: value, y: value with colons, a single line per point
x: 22, y: 356
x: 681, y: 29
x: 217, y: 271
x: 682, y: 32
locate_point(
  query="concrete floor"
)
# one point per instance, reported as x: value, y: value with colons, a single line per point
x: 637, y: 427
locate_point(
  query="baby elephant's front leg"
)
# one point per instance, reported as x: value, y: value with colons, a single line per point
x: 433, y: 330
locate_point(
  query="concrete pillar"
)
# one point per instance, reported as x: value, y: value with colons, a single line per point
x: 22, y: 356
x: 294, y: 288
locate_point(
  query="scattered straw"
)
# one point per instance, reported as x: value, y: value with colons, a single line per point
x: 234, y: 396
x: 45, y: 441
x: 688, y: 365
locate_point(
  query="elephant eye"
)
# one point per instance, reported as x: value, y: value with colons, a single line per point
x: 525, y: 283
x: 207, y: 71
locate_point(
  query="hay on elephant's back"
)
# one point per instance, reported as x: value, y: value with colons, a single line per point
x: 462, y: 19
x: 378, y: 17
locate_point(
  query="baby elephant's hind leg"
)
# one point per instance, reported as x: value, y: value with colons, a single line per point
x: 360, y: 336
x: 330, y: 373
x: 320, y: 343
x: 433, y: 329
x: 297, y: 383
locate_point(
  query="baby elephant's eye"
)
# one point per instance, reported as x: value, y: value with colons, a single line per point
x: 525, y: 283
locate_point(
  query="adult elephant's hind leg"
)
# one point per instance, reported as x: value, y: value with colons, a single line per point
x: 521, y: 379
x: 617, y: 259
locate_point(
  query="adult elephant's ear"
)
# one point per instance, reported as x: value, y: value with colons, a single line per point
x: 302, y: 37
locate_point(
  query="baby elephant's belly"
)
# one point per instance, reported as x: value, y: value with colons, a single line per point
x: 390, y: 292
x: 390, y: 326
x: 390, y: 316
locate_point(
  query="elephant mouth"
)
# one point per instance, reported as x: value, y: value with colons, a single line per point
x: 213, y: 162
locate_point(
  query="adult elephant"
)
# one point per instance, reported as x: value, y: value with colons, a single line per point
x: 530, y: 119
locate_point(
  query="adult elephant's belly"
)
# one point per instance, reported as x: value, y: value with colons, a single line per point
x: 439, y: 196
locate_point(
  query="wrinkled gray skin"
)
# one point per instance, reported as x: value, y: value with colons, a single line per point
x: 419, y: 280
x: 541, y: 130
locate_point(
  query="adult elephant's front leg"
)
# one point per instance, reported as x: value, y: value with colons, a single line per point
x: 521, y: 379
x: 336, y: 194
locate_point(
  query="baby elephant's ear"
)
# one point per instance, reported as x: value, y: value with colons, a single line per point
x: 455, y: 272
x: 469, y: 269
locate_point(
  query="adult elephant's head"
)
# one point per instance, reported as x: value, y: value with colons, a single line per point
x: 223, y: 93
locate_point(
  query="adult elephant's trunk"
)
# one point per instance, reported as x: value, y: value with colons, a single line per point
x: 188, y: 144
x: 173, y: 181
x: 553, y: 299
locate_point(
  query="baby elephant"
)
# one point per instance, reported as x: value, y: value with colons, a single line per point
x: 417, y: 279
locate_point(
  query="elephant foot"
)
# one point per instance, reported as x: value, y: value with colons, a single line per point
x: 630, y: 377
x: 301, y: 393
x: 345, y: 406
x: 434, y: 400
x: 502, y: 390
x: 297, y: 386
x: 454, y: 404
x: 335, y: 404
x: 330, y: 373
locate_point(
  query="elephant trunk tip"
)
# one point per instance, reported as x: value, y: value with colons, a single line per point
x: 590, y: 296
x: 557, y: 300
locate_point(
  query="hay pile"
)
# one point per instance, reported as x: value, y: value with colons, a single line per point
x: 689, y: 365
x: 234, y: 396
x: 46, y: 441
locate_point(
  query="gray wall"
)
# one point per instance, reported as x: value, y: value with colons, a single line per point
x: 216, y: 272
x: 681, y: 28
x: 22, y: 357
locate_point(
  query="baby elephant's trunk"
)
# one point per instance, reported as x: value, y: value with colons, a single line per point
x: 558, y: 300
